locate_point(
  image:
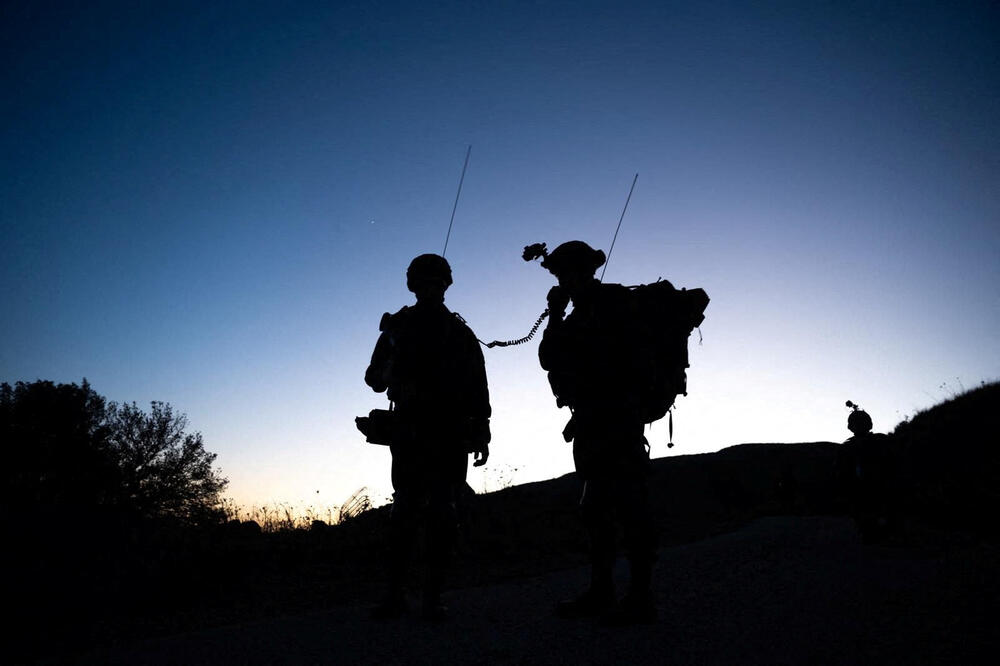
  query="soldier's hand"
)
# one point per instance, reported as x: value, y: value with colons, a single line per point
x: 558, y: 299
x: 481, y: 456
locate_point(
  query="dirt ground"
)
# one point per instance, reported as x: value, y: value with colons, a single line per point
x: 783, y: 590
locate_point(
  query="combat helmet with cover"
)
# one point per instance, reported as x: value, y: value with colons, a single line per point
x: 573, y: 256
x: 428, y: 267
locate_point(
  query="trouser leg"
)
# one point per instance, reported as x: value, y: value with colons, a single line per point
x: 442, y: 525
x: 597, y: 518
x: 596, y: 511
x: 403, y: 523
x: 640, y: 533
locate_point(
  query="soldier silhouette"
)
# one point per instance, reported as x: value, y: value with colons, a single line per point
x: 866, y: 473
x: 429, y: 362
x: 594, y: 370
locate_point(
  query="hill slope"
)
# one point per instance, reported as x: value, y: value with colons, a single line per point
x: 169, y: 582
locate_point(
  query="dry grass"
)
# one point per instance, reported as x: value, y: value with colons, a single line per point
x: 280, y: 517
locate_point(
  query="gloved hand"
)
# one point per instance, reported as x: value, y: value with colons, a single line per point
x: 481, y: 456
x: 477, y: 440
x: 558, y: 299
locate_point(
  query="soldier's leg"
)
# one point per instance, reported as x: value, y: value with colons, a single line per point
x: 598, y: 518
x: 640, y: 532
x: 597, y: 511
x: 404, y: 519
x: 442, y: 526
x: 636, y: 514
x: 633, y: 508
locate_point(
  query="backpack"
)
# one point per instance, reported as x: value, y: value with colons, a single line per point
x: 665, y: 317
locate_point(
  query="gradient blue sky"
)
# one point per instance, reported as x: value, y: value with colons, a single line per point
x: 211, y: 204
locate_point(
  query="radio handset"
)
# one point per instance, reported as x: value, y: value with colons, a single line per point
x: 519, y: 341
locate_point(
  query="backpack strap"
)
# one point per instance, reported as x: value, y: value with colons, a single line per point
x: 388, y: 319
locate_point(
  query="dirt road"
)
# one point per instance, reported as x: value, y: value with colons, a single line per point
x: 783, y: 590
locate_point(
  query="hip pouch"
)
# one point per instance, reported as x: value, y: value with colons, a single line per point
x: 381, y: 426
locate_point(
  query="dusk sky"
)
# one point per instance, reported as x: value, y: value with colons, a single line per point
x: 212, y: 204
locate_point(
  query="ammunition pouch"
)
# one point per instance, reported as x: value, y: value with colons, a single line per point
x: 381, y: 426
x: 385, y: 428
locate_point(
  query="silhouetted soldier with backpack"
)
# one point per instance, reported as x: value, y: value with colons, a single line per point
x: 429, y: 362
x: 595, y: 371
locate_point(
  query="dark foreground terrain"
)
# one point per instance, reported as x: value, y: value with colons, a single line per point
x: 759, y: 563
x: 781, y: 590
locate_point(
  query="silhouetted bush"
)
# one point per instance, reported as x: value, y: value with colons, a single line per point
x: 55, y: 448
x: 101, y: 504
x: 163, y: 470
x: 69, y: 452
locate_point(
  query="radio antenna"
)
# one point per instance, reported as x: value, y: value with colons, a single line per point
x: 612, y: 248
x: 457, y: 195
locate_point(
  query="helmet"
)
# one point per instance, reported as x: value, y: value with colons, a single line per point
x: 859, y: 422
x: 574, y: 256
x: 428, y: 267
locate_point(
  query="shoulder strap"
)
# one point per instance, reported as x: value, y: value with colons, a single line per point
x: 389, y: 320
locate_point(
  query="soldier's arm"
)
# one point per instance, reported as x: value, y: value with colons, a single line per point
x: 553, y: 348
x: 478, y: 383
x: 376, y: 376
x: 477, y: 398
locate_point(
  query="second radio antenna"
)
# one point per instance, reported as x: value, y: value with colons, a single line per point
x: 459, y: 193
x: 612, y: 248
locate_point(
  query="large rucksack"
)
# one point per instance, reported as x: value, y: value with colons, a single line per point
x: 665, y: 317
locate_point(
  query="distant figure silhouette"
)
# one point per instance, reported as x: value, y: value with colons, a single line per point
x: 593, y: 370
x: 430, y: 363
x: 866, y: 474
